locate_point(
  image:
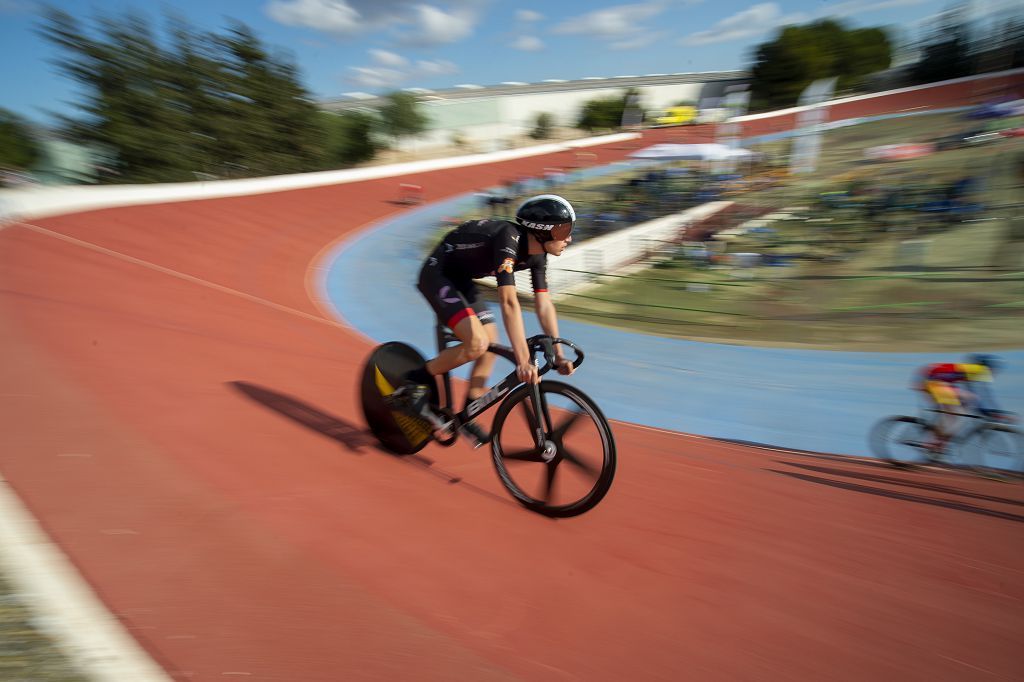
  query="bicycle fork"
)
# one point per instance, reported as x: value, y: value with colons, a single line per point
x: 547, y: 448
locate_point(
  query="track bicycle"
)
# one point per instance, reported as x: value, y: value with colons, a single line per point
x: 979, y: 443
x: 551, y: 445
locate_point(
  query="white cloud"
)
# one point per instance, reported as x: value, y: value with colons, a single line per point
x: 389, y: 59
x: 376, y: 77
x: 528, y: 15
x: 753, y: 21
x: 413, y: 21
x: 612, y: 22
x: 527, y: 44
x: 330, y: 16
x: 434, y: 68
x: 434, y: 26
x: 393, y: 70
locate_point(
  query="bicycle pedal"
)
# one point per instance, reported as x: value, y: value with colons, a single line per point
x: 475, y: 435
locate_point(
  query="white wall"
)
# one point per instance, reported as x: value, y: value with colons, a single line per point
x: 573, y: 270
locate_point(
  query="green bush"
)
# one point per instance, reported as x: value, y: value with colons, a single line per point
x: 542, y: 127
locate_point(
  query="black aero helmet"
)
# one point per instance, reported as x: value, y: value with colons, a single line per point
x: 547, y: 216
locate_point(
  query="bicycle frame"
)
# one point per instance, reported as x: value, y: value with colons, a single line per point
x: 495, y: 393
x: 930, y: 415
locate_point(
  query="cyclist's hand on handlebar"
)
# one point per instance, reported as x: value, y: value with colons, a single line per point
x: 527, y: 373
x: 565, y: 367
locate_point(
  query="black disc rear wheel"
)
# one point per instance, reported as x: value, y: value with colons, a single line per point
x: 383, y: 373
x: 573, y: 469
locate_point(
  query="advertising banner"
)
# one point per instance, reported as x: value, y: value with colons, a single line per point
x: 807, y: 143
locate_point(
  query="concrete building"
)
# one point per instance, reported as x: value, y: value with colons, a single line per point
x: 493, y: 117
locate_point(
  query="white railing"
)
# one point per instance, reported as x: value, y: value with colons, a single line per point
x: 580, y: 265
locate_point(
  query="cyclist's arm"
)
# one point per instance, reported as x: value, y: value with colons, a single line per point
x: 512, y: 315
x: 986, y: 402
x: 549, y: 322
x: 547, y: 316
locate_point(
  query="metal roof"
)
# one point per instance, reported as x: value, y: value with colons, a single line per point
x: 515, y: 88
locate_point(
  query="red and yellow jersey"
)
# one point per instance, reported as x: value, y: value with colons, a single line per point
x: 955, y: 372
x: 959, y: 384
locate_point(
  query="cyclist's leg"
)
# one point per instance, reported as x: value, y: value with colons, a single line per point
x: 450, y: 304
x: 473, y: 342
x: 947, y: 402
x: 483, y: 365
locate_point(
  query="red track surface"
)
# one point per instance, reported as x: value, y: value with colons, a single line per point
x: 254, y: 527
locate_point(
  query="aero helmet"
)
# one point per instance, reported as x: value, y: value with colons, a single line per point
x: 991, y: 361
x: 547, y: 217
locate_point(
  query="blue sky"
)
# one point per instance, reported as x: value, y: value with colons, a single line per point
x: 373, y: 46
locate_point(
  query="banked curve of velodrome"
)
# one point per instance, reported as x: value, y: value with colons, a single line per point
x: 818, y: 400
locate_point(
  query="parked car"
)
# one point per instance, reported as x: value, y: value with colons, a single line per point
x: 676, y: 116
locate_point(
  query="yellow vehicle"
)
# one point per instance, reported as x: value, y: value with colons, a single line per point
x: 676, y: 116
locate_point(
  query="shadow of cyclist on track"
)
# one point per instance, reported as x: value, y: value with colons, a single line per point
x: 898, y: 495
x: 354, y: 438
x: 896, y: 480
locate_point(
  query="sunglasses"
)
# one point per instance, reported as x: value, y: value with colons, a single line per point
x: 560, y: 232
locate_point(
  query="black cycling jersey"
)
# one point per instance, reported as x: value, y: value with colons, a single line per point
x: 476, y: 249
x: 479, y: 248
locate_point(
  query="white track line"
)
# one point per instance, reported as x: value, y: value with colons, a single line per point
x: 179, y: 275
x: 64, y: 605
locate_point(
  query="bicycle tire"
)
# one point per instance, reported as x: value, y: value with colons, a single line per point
x: 993, y: 448
x: 578, y: 462
x: 901, y: 440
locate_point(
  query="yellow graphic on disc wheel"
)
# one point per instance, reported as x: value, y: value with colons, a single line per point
x: 414, y: 429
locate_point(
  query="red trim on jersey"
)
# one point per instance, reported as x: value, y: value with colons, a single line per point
x: 459, y: 317
x: 537, y: 291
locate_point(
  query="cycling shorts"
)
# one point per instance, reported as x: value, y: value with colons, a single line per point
x: 453, y: 298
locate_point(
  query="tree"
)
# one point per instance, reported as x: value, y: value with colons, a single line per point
x: 18, y: 148
x: 210, y: 104
x: 945, y: 53
x: 605, y: 113
x: 800, y: 55
x: 281, y: 133
x: 124, y: 108
x: 542, y: 126
x: 349, y: 138
x: 401, y: 116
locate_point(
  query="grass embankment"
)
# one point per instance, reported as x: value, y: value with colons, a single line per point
x: 26, y: 654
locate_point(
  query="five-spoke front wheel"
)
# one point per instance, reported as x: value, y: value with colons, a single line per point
x: 556, y: 457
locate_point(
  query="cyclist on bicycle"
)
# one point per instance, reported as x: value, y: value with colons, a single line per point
x: 491, y: 247
x: 946, y: 385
